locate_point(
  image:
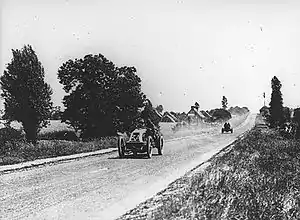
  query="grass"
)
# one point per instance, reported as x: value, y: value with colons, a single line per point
x: 257, y: 178
x: 20, y: 151
x: 58, y: 139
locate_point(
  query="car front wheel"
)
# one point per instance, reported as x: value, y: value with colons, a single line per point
x: 160, y: 145
x: 149, y: 147
x: 121, y: 147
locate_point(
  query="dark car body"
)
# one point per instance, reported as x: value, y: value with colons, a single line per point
x: 227, y: 128
x: 141, y: 141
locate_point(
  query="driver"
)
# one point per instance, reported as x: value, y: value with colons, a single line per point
x: 150, y: 126
x: 227, y: 125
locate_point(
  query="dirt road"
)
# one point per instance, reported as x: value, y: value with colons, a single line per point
x: 104, y: 187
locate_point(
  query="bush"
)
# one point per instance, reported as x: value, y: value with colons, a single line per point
x: 220, y: 114
x: 20, y: 150
x: 8, y: 136
x: 9, y: 133
x: 265, y: 111
x: 59, y: 135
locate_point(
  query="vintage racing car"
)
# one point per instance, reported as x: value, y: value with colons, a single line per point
x: 227, y: 128
x: 141, y: 141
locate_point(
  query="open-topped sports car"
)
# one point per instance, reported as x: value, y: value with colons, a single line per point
x: 227, y: 128
x: 141, y: 141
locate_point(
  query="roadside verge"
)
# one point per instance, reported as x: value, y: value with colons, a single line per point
x: 41, y: 162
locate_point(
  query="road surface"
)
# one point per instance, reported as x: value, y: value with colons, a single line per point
x: 104, y: 187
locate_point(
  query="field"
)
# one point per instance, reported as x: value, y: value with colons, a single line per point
x: 256, y: 178
x: 55, y: 125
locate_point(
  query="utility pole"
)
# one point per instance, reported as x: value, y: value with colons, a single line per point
x: 264, y: 95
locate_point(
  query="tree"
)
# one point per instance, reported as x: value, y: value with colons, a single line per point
x: 220, y: 114
x: 101, y: 98
x: 276, y: 105
x: 296, y: 120
x: 56, y: 113
x: 265, y: 111
x: 286, y: 114
x: 130, y: 99
x: 159, y: 108
x: 224, y: 102
x: 1, y: 113
x: 27, y: 98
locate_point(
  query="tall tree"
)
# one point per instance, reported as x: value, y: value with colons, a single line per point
x: 286, y: 114
x: 296, y: 120
x: 130, y: 98
x: 27, y: 98
x: 101, y: 98
x: 276, y: 105
x: 224, y: 102
x: 159, y: 108
x: 56, y: 113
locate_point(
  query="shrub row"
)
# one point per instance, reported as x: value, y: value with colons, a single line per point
x: 14, y: 148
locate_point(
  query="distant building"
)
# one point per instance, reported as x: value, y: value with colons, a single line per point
x: 207, y: 116
x: 182, y: 116
x: 168, y: 117
x: 195, y: 116
x: 158, y: 115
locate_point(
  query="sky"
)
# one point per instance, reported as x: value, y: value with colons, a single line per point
x: 184, y: 51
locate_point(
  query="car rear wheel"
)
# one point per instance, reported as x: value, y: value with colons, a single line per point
x: 160, y: 145
x: 149, y: 147
x: 121, y: 147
